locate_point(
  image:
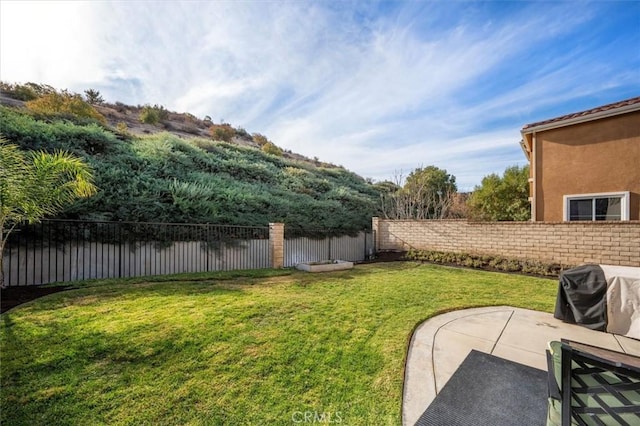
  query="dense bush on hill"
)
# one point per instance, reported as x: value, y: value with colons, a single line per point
x: 26, y: 92
x: 165, y: 178
x: 153, y: 114
x: 64, y: 104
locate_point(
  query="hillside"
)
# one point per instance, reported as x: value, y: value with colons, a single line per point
x: 183, y: 125
x: 176, y: 172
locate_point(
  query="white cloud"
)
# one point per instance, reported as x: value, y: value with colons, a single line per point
x: 376, y: 87
x: 48, y: 42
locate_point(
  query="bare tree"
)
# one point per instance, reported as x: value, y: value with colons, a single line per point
x: 417, y: 199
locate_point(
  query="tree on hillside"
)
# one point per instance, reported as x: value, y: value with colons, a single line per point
x: 427, y: 193
x: 36, y: 184
x: 93, y: 96
x: 386, y: 187
x: 502, y: 198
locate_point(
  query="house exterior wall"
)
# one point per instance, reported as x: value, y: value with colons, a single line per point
x: 566, y: 243
x: 592, y: 157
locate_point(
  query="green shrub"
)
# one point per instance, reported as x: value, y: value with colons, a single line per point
x: 33, y: 134
x: 153, y: 114
x: 26, y: 92
x: 149, y: 116
x: 122, y: 128
x: 22, y: 93
x: 242, y: 133
x: 222, y: 132
x: 157, y: 178
x: 261, y: 140
x: 64, y: 104
x: 498, y: 263
x: 271, y: 149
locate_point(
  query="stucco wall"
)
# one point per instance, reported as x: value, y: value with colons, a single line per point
x: 567, y: 243
x: 593, y: 157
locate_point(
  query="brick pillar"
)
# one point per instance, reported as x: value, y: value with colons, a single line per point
x: 375, y: 222
x: 276, y: 245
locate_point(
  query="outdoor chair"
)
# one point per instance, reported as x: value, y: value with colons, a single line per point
x: 592, y: 386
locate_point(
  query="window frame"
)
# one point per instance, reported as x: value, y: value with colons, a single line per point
x: 624, y: 204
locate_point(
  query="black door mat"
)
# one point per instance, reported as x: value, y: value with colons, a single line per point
x: 487, y: 390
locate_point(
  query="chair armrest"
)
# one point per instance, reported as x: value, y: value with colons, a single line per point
x: 552, y: 384
x: 599, y: 386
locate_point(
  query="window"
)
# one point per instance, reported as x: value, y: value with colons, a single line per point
x: 605, y: 206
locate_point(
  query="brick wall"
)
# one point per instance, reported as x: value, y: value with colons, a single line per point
x: 567, y: 243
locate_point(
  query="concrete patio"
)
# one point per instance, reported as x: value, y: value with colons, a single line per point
x: 440, y: 344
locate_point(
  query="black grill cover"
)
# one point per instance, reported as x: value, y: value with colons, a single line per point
x: 582, y: 297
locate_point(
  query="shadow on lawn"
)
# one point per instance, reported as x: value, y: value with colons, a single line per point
x: 13, y: 296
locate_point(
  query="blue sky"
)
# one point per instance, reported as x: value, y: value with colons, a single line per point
x: 378, y: 87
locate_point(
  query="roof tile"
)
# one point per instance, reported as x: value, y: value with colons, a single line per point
x: 602, y: 108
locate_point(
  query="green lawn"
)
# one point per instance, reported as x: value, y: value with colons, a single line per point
x: 226, y: 349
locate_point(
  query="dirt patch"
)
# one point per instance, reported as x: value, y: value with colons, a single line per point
x: 13, y: 296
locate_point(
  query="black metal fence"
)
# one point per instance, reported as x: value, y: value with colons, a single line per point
x: 57, y: 251
x: 326, y: 244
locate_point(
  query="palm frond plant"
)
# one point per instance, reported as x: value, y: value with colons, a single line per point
x: 37, y: 184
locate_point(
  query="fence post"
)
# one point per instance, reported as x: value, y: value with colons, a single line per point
x: 120, y: 251
x: 208, y: 243
x: 375, y: 223
x: 364, y: 235
x: 276, y: 245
